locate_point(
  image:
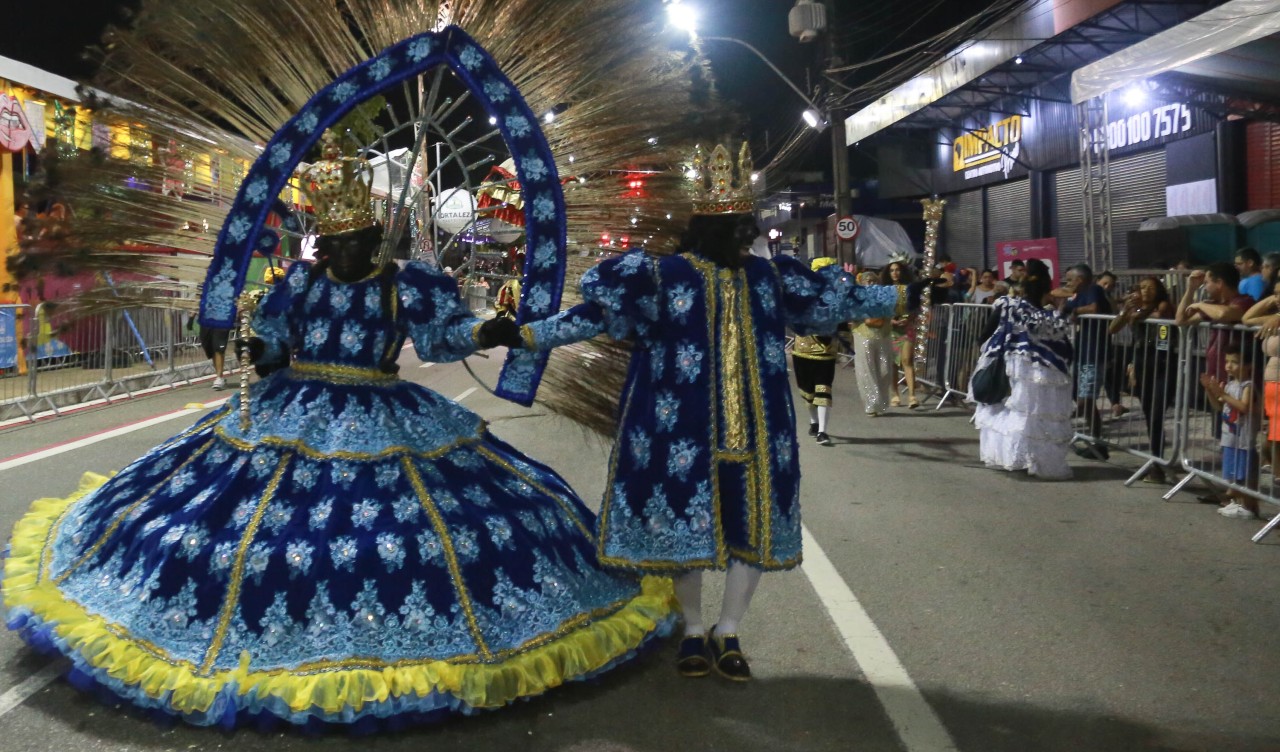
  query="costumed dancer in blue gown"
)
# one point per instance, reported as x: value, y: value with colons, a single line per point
x: 705, y: 468
x: 360, y: 548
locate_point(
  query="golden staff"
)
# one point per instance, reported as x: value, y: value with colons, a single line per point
x: 248, y: 303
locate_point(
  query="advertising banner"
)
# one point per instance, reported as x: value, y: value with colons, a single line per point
x: 1044, y: 249
x: 8, y: 337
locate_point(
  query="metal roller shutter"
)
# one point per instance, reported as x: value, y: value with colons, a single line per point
x: 962, y: 228
x: 1068, y: 218
x: 1137, y: 193
x: 1008, y: 214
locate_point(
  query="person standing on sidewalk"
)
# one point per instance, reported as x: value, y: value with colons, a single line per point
x: 1082, y: 296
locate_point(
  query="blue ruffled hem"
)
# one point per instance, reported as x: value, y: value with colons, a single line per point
x: 232, y: 711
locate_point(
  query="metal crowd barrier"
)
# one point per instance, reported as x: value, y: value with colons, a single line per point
x: 1153, y: 370
x: 119, y: 353
x: 966, y: 323
x: 932, y: 373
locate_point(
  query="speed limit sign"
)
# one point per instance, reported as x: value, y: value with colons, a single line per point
x: 847, y: 228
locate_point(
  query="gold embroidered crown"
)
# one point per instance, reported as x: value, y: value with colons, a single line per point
x: 339, y: 189
x: 716, y: 189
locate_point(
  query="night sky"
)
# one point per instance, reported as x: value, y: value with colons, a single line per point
x: 51, y: 34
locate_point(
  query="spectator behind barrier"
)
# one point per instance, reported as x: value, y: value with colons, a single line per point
x: 1252, y: 283
x: 1237, y: 415
x: 1151, y: 368
x: 982, y: 287
x: 1080, y: 296
x: 1223, y: 304
x: 1265, y: 315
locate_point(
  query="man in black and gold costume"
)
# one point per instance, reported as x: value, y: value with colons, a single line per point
x: 813, y: 357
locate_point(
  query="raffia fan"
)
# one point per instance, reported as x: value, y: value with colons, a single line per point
x: 217, y: 76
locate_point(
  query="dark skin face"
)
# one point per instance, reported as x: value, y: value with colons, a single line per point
x: 350, y: 254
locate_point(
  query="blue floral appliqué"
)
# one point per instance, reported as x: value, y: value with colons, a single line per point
x: 680, y: 302
x: 544, y: 254
x: 499, y: 532
x: 219, y: 292
x: 639, y: 443
x: 320, y: 514
x: 343, y: 552
x: 352, y: 337
x: 764, y: 294
x: 544, y: 209
x: 340, y: 299
x: 419, y: 48
x: 406, y: 508
x: 534, y: 169
x: 681, y: 458
x: 391, y: 549
x: 689, y: 362
x: 666, y: 408
x: 471, y: 58
x: 280, y: 153
x: 775, y: 355
x: 518, y: 126
x: 298, y: 556
x: 365, y: 513
x: 317, y: 335
x: 496, y: 90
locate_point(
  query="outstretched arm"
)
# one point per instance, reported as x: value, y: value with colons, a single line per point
x: 432, y: 314
x: 816, y: 302
x: 620, y: 299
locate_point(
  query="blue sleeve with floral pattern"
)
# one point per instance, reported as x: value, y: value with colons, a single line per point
x: 271, y: 320
x: 432, y: 314
x: 818, y: 302
x: 621, y: 300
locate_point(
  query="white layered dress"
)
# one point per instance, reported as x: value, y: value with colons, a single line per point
x: 1031, y: 429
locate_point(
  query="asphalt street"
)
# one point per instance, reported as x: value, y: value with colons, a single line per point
x: 942, y: 606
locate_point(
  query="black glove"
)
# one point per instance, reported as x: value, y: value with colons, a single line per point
x: 253, y: 345
x: 499, y: 331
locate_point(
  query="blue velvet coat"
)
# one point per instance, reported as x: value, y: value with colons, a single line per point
x: 705, y: 466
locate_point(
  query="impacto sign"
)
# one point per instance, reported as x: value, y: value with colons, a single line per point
x: 988, y: 150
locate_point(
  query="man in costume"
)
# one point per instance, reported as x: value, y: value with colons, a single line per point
x: 813, y: 357
x: 705, y: 472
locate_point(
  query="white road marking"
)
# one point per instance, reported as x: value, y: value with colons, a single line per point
x: 917, y: 725
x: 56, y: 449
x: 426, y: 365
x: 30, y: 685
x: 465, y: 394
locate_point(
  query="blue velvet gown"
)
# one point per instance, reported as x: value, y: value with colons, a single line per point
x: 361, y: 549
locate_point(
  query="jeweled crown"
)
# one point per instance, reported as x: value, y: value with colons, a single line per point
x: 339, y: 188
x: 719, y: 188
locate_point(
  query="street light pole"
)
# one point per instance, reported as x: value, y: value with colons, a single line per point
x: 772, y: 67
x: 839, y: 151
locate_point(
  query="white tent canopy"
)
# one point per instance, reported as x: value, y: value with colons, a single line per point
x: 1224, y: 28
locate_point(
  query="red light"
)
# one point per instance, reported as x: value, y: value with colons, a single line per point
x: 625, y: 240
x: 604, y: 237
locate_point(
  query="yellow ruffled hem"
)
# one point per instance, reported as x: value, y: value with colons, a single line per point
x: 177, y: 687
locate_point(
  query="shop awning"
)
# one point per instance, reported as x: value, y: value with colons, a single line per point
x: 34, y: 78
x: 1232, y: 43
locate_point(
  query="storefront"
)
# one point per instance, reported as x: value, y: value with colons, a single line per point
x: 1017, y: 177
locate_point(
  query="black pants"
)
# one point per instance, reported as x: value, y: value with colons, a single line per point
x: 814, y: 378
x: 1157, y: 377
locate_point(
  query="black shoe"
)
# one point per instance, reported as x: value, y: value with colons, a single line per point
x: 813, y: 429
x: 1091, y: 451
x: 823, y: 438
x: 727, y: 657
x: 692, y: 659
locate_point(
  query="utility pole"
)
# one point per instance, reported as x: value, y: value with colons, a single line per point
x: 839, y: 148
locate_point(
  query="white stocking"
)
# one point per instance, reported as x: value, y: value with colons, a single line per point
x: 689, y: 593
x: 813, y: 413
x: 822, y: 418
x: 739, y: 585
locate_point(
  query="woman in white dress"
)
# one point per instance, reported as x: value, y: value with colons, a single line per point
x: 1031, y: 428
